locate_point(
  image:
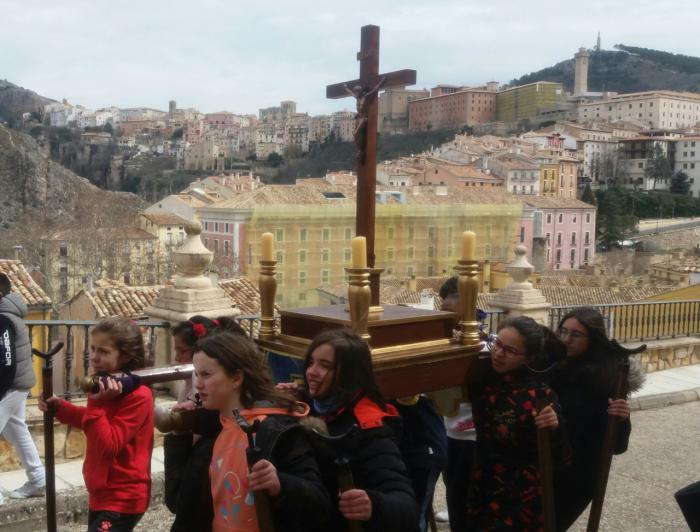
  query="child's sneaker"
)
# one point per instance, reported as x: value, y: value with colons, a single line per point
x: 29, y: 489
x: 442, y: 516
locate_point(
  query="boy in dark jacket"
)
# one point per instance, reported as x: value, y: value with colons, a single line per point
x: 16, y: 379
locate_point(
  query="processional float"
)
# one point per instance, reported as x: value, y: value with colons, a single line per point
x: 413, y: 350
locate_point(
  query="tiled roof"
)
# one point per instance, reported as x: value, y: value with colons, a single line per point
x: 313, y: 195
x: 124, y: 301
x: 23, y: 283
x: 243, y: 293
x: 164, y: 219
x: 582, y: 295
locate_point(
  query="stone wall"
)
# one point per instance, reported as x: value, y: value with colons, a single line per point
x: 671, y: 353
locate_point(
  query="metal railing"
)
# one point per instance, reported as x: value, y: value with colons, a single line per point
x: 73, y: 362
x: 639, y: 322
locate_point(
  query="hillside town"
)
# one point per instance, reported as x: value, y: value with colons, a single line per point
x: 537, y: 207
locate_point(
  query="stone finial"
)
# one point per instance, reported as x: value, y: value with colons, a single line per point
x: 520, y: 297
x: 192, y: 259
x: 520, y: 269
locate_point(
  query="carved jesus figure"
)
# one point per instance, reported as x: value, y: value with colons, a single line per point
x: 362, y: 95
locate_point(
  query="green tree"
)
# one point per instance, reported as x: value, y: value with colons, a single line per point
x: 680, y: 183
x: 587, y: 196
x: 275, y: 159
x: 616, y: 220
x: 658, y: 166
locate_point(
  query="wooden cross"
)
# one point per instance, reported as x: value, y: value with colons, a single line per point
x: 365, y: 91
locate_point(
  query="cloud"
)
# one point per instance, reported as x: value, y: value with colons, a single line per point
x: 217, y: 55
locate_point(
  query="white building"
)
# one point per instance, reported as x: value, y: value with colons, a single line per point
x: 657, y: 109
x: 687, y: 159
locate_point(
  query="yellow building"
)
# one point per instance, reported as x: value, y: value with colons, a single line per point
x: 38, y: 308
x: 549, y: 175
x: 417, y: 231
x: 525, y: 101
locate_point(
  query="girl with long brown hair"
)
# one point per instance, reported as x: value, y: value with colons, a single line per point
x: 231, y: 377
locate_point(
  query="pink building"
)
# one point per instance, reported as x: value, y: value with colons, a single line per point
x: 558, y: 232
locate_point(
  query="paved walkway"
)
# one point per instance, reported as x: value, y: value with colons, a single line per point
x: 661, y: 388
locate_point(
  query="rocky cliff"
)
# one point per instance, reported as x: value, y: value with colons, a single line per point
x: 32, y: 184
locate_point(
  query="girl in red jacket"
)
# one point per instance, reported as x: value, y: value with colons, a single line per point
x: 118, y: 428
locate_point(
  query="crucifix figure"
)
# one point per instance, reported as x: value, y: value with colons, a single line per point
x: 365, y: 91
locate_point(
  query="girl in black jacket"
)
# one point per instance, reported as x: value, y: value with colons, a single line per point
x: 231, y: 378
x: 585, y: 383
x: 340, y: 382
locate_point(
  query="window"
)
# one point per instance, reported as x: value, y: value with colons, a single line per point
x: 410, y: 271
x: 390, y: 233
x: 347, y: 255
x: 389, y: 253
x: 279, y: 256
x: 558, y: 239
x: 574, y: 218
x: 226, y: 228
x: 63, y: 249
x: 410, y: 252
x: 326, y: 234
x: 573, y: 255
x: 547, y: 237
x: 226, y: 248
x: 302, y: 256
x: 216, y: 227
x: 206, y: 226
x: 348, y: 233
x: 561, y: 218
x: 431, y: 233
x: 302, y: 235
x: 522, y: 235
x: 325, y: 256
x: 216, y: 244
x: 279, y: 235
x: 302, y: 278
x: 279, y: 277
x: 586, y: 238
x: 558, y: 256
x: 325, y: 276
x: 573, y: 239
x: 549, y: 218
x: 410, y: 234
x: 431, y: 252
x: 585, y: 256
x: 588, y: 217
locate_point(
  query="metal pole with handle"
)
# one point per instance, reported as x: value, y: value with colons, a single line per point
x: 47, y: 391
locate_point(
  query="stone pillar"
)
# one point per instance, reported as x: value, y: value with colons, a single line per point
x: 193, y: 293
x: 520, y: 298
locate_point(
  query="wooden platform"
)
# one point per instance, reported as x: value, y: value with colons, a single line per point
x: 413, y: 350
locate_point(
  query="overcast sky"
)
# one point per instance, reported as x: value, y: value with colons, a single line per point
x: 240, y: 56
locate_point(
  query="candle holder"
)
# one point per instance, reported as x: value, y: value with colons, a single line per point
x: 375, y: 306
x: 359, y: 299
x: 468, y: 285
x: 267, y: 284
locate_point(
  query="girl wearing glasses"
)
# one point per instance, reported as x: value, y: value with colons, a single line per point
x: 505, y: 485
x: 585, y: 383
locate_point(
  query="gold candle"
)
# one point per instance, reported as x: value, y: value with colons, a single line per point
x: 468, y: 245
x: 359, y: 252
x: 266, y: 247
